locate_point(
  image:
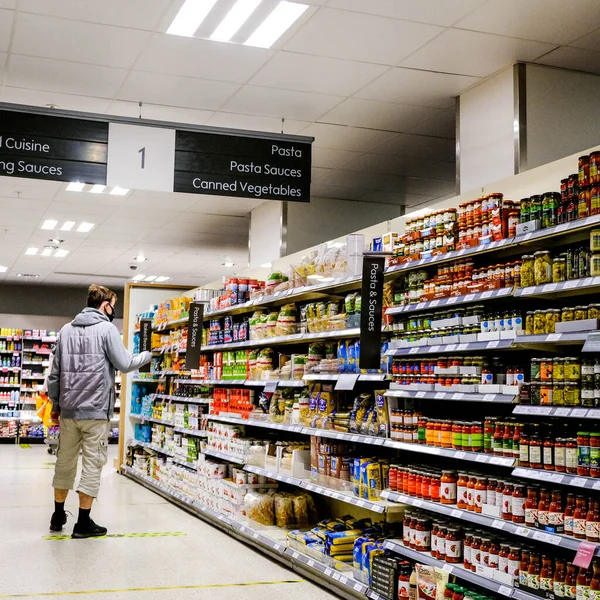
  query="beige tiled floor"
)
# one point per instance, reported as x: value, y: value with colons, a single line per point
x: 123, y: 568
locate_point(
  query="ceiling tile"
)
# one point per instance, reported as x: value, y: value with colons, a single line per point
x: 317, y: 173
x: 8, y: 3
x: 378, y: 115
x: 554, y: 21
x: 437, y: 12
x: 319, y: 74
x: 355, y: 36
x: 395, y: 198
x: 270, y: 102
x: 65, y: 77
x: 440, y: 125
x: 62, y: 101
x: 353, y: 179
x: 572, y: 58
x: 591, y: 41
x: 204, y: 59
x: 331, y: 159
x: 256, y: 123
x: 411, y: 86
x: 444, y: 170
x: 418, y: 146
x: 414, y: 185
x: 175, y: 91
x: 3, y: 58
x: 37, y: 35
x: 473, y: 53
x: 6, y: 21
x: 138, y: 14
x: 341, y: 137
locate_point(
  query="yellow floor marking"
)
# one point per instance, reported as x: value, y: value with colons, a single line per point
x: 154, y: 589
x: 25, y: 446
x: 121, y: 535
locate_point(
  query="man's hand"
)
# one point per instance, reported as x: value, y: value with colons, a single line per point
x: 54, y: 416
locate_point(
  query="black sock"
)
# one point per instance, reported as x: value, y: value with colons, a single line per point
x: 59, y: 507
x: 84, y: 516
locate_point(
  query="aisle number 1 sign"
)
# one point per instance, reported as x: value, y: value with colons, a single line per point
x: 141, y: 158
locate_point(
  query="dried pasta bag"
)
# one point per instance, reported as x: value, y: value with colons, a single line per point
x: 382, y: 423
x: 284, y: 510
x: 300, y: 510
x: 260, y: 508
x: 311, y: 509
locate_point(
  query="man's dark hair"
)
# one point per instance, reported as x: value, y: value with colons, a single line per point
x: 97, y: 294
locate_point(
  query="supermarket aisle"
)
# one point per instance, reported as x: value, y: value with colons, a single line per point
x: 112, y: 568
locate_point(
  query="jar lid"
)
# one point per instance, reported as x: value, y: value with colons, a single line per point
x: 542, y: 253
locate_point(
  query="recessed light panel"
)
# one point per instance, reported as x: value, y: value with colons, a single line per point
x: 138, y: 277
x: 276, y: 24
x: 162, y: 279
x: 75, y: 186
x: 97, y: 189
x: 49, y: 224
x: 3, y: 269
x: 234, y: 19
x: 117, y: 191
x: 61, y: 253
x: 190, y: 17
x: 67, y: 226
x: 47, y: 252
x: 85, y: 227
x: 31, y: 251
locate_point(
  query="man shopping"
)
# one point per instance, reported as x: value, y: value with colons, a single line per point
x: 81, y: 386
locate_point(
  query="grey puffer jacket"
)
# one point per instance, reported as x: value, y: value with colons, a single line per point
x: 81, y: 383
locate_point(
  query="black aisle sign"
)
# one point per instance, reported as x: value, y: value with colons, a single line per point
x: 145, y: 341
x: 371, y: 312
x: 194, y: 337
x: 244, y: 167
x: 53, y: 148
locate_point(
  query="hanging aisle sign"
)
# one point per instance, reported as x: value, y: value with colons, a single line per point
x: 154, y: 156
x: 145, y: 341
x: 244, y: 167
x: 53, y: 148
x: 371, y: 311
x: 194, y: 337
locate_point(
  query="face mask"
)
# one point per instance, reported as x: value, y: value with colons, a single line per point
x: 111, y: 314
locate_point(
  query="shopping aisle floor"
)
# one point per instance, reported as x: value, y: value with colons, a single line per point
x: 127, y: 568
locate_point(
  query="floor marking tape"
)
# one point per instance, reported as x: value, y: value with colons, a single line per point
x: 25, y: 446
x: 154, y: 589
x: 120, y: 535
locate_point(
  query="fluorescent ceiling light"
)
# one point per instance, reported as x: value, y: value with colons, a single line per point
x: 49, y: 224
x: 85, y: 227
x: 4, y: 269
x: 31, y: 251
x: 75, y: 186
x: 138, y: 278
x: 47, y: 252
x: 162, y: 279
x: 284, y: 15
x: 61, y: 253
x: 150, y: 278
x: 34, y: 276
x: 97, y: 189
x: 67, y: 226
x: 235, y: 18
x: 190, y: 16
x: 117, y: 191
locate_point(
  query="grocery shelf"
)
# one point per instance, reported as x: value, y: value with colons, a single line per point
x: 12, y: 352
x: 224, y: 456
x: 10, y: 385
x: 578, y: 337
x: 43, y: 339
x: 342, y: 495
x: 296, y: 338
x: 241, y: 382
x: 192, y: 432
x: 184, y: 463
x: 576, y: 481
x: 575, y: 287
x: 557, y: 411
x: 171, y: 324
x: 6, y: 369
x: 458, y: 571
x: 236, y: 420
x: 455, y: 396
x: 182, y: 399
x: 145, y: 380
x: 264, y: 539
x: 444, y: 348
x: 300, y: 294
x: 451, y: 301
x: 167, y: 348
x: 149, y: 446
x: 498, y: 523
x: 336, y: 376
x: 34, y: 363
x: 143, y: 418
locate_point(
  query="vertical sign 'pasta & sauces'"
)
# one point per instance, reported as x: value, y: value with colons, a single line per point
x: 145, y: 341
x: 194, y: 337
x: 372, y: 308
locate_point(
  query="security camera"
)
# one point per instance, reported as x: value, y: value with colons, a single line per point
x: 133, y: 267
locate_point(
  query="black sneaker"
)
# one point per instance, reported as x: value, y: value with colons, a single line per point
x: 87, y: 531
x: 57, y: 521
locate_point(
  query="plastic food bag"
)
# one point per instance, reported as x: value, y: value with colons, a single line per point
x: 260, y: 508
x: 284, y: 510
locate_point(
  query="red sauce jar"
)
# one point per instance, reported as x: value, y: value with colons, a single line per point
x: 518, y: 504
x: 454, y: 546
x: 462, y: 493
x: 448, y: 487
x: 507, y: 493
x: 435, y: 488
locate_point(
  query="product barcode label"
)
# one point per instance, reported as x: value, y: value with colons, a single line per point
x: 569, y: 285
x: 343, y: 579
x: 527, y: 291
x: 413, y: 350
x: 549, y: 287
x: 487, y: 294
x: 451, y: 347
x: 562, y: 412
x: 434, y: 303
x: 504, y: 590
x: 420, y: 395
x: 498, y: 524
x: 469, y: 297
x: 434, y: 349
x: 357, y: 587
x: 493, y: 344
x: 579, y: 412
x: 481, y: 458
x: 578, y: 481
x: 460, y: 454
x: 328, y: 572
x: 457, y: 396
x: 522, y: 531
x: 448, y: 568
x: 440, y: 395
x: 418, y: 503
x: 452, y: 300
x: 593, y: 414
x: 456, y: 513
x: 337, y: 576
x: 311, y: 563
x: 463, y: 347
x: 360, y: 503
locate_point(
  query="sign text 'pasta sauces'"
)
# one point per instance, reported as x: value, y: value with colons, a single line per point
x: 371, y: 312
x: 194, y: 338
x: 53, y: 148
x: 245, y: 167
x: 145, y: 341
